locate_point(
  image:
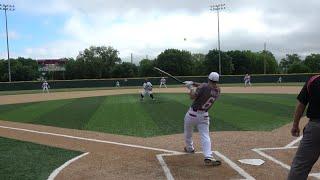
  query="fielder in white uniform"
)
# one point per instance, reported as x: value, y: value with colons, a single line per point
x: 45, y: 87
x: 147, y: 89
x: 203, y: 98
x: 247, y: 80
x: 117, y: 84
x: 163, y: 82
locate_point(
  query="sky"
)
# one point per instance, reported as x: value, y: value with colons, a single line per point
x: 62, y: 28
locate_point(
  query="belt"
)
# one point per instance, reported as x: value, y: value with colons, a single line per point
x: 195, y: 110
x: 193, y: 115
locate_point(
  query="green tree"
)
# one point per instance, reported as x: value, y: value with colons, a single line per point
x: 175, y: 62
x: 313, y: 63
x: 125, y: 69
x: 290, y: 59
x: 198, y: 64
x: 240, y: 62
x: 271, y: 62
x: 298, y: 68
x: 146, y: 68
x: 211, y: 62
x: 99, y: 61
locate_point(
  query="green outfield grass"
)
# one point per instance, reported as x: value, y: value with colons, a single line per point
x: 127, y: 115
x: 29, y: 161
x: 2, y: 93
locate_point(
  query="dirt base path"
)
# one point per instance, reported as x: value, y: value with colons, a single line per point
x: 122, y: 157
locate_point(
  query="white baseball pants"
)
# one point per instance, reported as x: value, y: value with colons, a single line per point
x: 163, y: 84
x: 200, y: 119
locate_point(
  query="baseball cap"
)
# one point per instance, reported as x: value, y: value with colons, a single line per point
x: 213, y: 76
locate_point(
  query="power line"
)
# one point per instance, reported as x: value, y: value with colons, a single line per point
x: 218, y: 8
x: 7, y: 7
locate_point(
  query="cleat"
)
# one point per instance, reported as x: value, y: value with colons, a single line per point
x: 187, y: 151
x: 211, y: 162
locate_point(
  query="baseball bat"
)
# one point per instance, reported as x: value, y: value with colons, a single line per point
x: 162, y: 71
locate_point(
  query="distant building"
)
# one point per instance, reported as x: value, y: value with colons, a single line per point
x: 45, y: 65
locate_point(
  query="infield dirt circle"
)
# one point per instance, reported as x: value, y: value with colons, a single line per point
x: 123, y: 157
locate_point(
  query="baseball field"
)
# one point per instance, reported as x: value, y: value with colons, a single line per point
x: 112, y: 134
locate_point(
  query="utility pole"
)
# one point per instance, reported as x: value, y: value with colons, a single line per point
x: 218, y: 7
x: 131, y: 58
x: 264, y: 56
x: 7, y: 7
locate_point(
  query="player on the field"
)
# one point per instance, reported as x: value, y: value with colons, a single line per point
x: 203, y: 98
x: 247, y: 80
x: 163, y: 82
x: 147, y: 89
x: 45, y: 87
x: 117, y: 84
x: 280, y: 80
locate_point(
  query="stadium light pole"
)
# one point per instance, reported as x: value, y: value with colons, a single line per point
x: 218, y: 7
x: 7, y: 7
x: 264, y: 58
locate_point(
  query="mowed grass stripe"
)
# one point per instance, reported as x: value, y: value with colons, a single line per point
x: 123, y: 114
x: 29, y: 161
x: 73, y: 115
x: 167, y: 113
x: 30, y: 112
x: 259, y: 105
x: 231, y: 117
x: 281, y: 99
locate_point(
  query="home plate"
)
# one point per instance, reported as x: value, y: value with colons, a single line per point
x: 254, y: 162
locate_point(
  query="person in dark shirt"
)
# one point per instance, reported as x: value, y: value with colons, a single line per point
x: 309, y: 148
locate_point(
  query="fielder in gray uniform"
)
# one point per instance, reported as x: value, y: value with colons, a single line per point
x: 309, y: 149
x: 147, y: 89
x: 203, y: 98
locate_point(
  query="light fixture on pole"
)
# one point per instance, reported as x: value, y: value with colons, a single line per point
x: 218, y: 8
x: 7, y: 7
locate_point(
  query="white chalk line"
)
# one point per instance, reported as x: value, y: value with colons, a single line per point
x: 165, y: 167
x: 90, y: 139
x: 288, y: 146
x: 217, y: 153
x: 54, y: 174
x: 162, y: 162
x: 234, y: 166
x: 294, y: 142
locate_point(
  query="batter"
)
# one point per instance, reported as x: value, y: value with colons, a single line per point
x: 203, y: 98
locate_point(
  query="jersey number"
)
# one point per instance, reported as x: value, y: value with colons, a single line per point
x: 209, y: 103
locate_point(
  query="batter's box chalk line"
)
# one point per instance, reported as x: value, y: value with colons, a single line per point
x: 233, y: 165
x: 282, y: 164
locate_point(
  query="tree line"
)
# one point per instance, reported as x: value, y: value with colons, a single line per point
x: 104, y: 62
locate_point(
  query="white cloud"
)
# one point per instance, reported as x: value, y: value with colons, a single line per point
x: 148, y: 27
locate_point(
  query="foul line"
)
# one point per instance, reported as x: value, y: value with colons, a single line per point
x: 288, y: 146
x: 54, y: 174
x: 89, y: 139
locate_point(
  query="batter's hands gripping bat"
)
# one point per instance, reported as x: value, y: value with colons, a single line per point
x: 187, y: 83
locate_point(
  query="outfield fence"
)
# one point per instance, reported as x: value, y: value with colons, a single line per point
x: 91, y: 83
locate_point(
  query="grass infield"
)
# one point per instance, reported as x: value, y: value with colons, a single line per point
x: 29, y: 161
x: 127, y: 115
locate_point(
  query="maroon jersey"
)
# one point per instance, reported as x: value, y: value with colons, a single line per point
x: 205, y: 97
